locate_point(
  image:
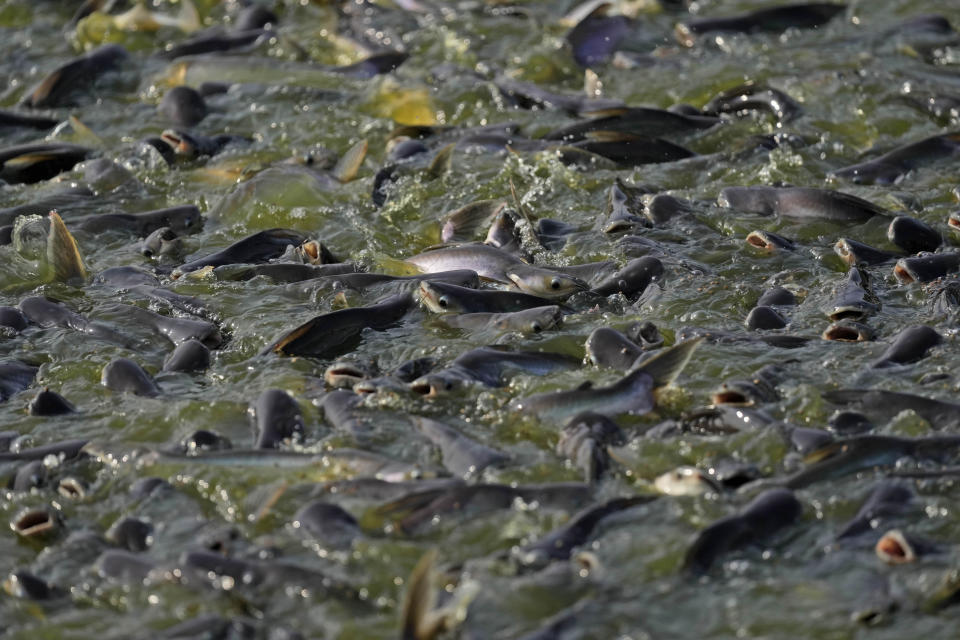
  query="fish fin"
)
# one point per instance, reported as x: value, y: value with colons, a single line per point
x: 42, y: 93
x: 603, y: 113
x: 282, y: 343
x: 441, y: 162
x: 348, y: 166
x: 30, y: 159
x: 465, y: 222
x: 85, y: 133
x: 63, y: 254
x: 393, y: 266
x: 601, y: 135
x: 667, y: 365
x: 188, y: 20
x: 418, y: 620
x: 409, y: 503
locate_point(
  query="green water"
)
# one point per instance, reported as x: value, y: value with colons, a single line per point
x: 849, y: 79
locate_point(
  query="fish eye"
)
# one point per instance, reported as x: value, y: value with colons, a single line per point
x: 448, y: 386
x: 555, y: 284
x: 536, y: 327
x: 442, y: 301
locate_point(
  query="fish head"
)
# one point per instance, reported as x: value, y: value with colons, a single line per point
x: 532, y: 320
x: 182, y: 143
x: 436, y: 300
x: 435, y: 384
x: 544, y: 283
x: 684, y: 481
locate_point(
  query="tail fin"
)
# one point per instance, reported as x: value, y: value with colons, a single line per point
x: 349, y: 165
x: 419, y: 621
x: 667, y: 365
x: 63, y: 254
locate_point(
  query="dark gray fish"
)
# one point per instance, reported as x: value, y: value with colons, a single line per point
x: 888, y: 498
x: 124, y: 566
x: 488, y: 366
x: 718, y: 336
x: 559, y: 543
x: 327, y: 523
x: 345, y: 374
x: 945, y: 296
x: 847, y: 330
x: 716, y: 420
x: 27, y: 586
x: 14, y: 120
x: 608, y: 347
x: 645, y: 334
x: 893, y: 165
x: 663, y: 208
x: 189, y: 356
x: 15, y: 377
x: 381, y: 490
x: 183, y: 106
x: 761, y: 317
x: 28, y: 476
x: 65, y: 450
x: 777, y: 296
x: 854, y: 301
x: 255, y: 16
x: 339, y: 411
x: 202, y: 441
x: 441, y: 297
x: 62, y: 201
x: 584, y: 442
x: 770, y: 241
x: 552, y: 234
x: 911, y: 345
x: 773, y: 20
x: 632, y: 279
x: 339, y: 332
x: 849, y: 423
x: 164, y: 242
x: 912, y: 235
x: 752, y: 97
x: 177, y: 330
x: 845, y: 457
x: 62, y: 86
x: 527, y: 321
x: 123, y: 374
x: 131, y: 534
x: 856, y: 253
x: 38, y: 161
x: 594, y: 39
x: 883, y: 404
x: 803, y: 203
x: 277, y: 419
x: 625, y: 149
x: 50, y: 403
x: 283, y: 271
x: 259, y: 247
x: 926, y: 268
x: 624, y: 209
x: 37, y: 524
x: 769, y: 512
x: 190, y: 146
x: 806, y: 441
x: 897, y: 547
x: 181, y: 219
x: 527, y: 95
x: 643, y: 122
x: 760, y: 388
x: 462, y: 456
x: 426, y: 507
x: 631, y: 394
x: 217, y: 42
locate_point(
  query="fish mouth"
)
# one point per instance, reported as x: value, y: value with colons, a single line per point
x: 177, y: 142
x: 893, y: 548
x: 841, y: 332
x: 757, y: 240
x: 903, y: 274
x: 954, y: 222
x: 423, y: 388
x: 343, y: 375
x: 34, y: 522
x: 848, y: 313
x: 731, y: 398
x: 842, y: 249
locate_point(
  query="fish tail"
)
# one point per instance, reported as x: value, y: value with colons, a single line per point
x: 667, y: 365
x: 417, y: 623
x: 349, y: 165
x: 63, y: 254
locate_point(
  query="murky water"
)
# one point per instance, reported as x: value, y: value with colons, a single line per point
x: 851, y: 78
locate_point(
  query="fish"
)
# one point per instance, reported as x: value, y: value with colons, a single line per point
x: 912, y: 235
x: 633, y: 279
x: 760, y: 388
x: 162, y: 243
x: 781, y: 341
x: 282, y: 272
x: 664, y: 208
x: 560, y: 543
x: 38, y: 161
x: 488, y: 262
x: 631, y: 394
x: 50, y: 403
x: 847, y: 330
x: 132, y: 534
x: 488, y: 366
x: 750, y: 97
x: 326, y: 523
x: 527, y: 95
x: 15, y: 376
x: 854, y: 300
x: 585, y: 440
x: 462, y: 456
x: 802, y: 203
x: 440, y: 297
x: 339, y: 412
x: 63, y: 451
x: 177, y: 330
x: 277, y: 419
x: 624, y: 209
x: 926, y: 268
x: 123, y: 374
x: 183, y: 106
x: 15, y: 120
x: 910, y: 345
x: 47, y: 312
x: 419, y: 617
x: 892, y: 166
x: 685, y: 481
x: 882, y: 404
x: 180, y: 219
x: 64, y: 85
x: 337, y: 333
x: 773, y: 20
x: 64, y: 200
x: 594, y: 39
x: 776, y: 296
x: 532, y: 320
x: 856, y: 253
x: 27, y: 586
x: 888, y: 498
x: 635, y: 121
x: 366, y: 281
x: 764, y: 318
x: 768, y: 513
x: 610, y: 348
x: 258, y: 247
x: 770, y: 241
x: 464, y: 224
x: 544, y: 282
